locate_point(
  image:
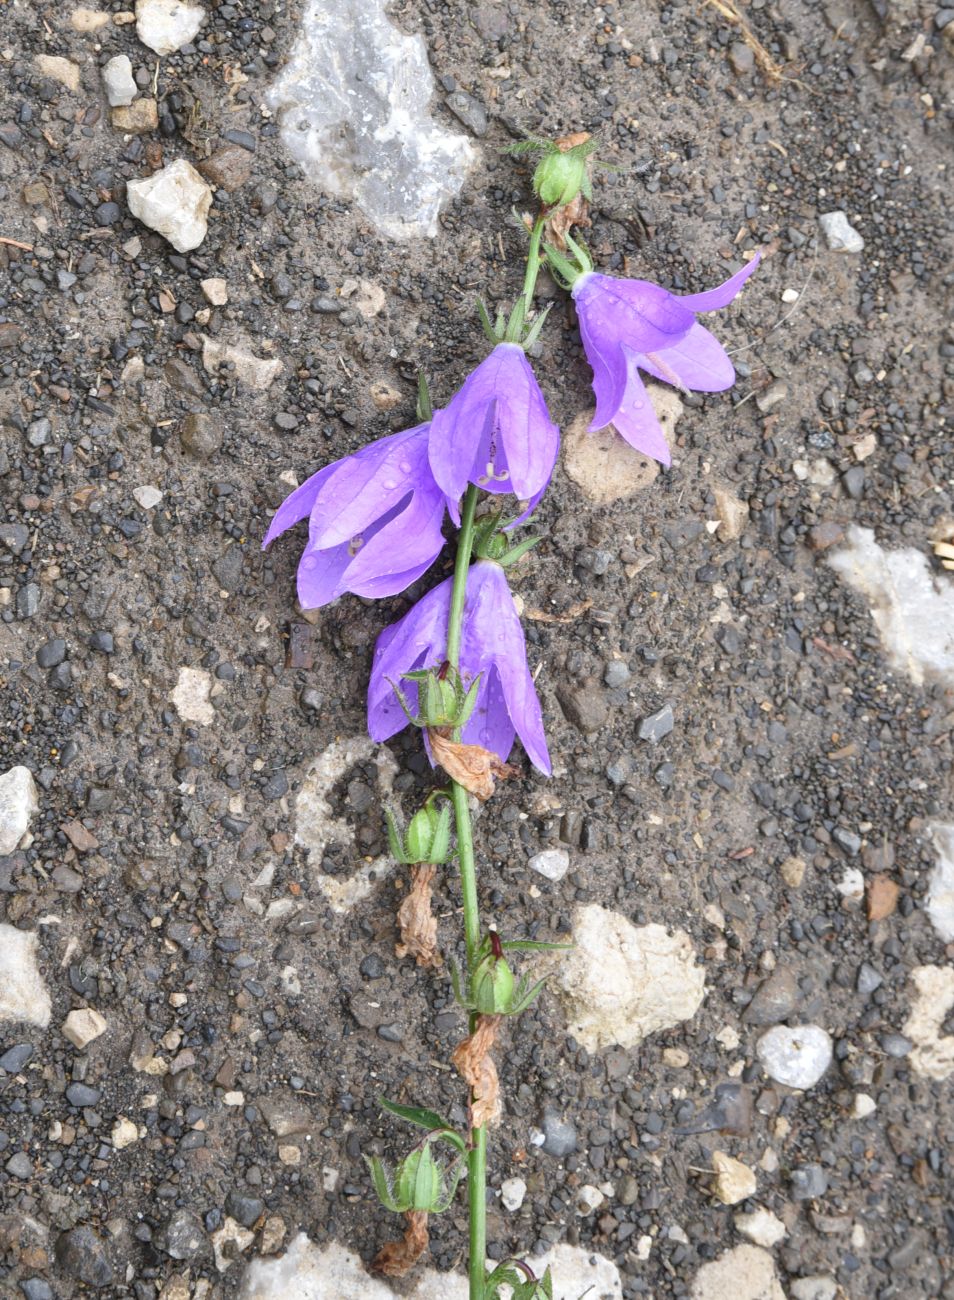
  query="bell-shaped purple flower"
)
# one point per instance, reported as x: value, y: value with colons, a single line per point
x: 374, y: 521
x: 492, y: 645
x: 632, y: 325
x: 496, y: 431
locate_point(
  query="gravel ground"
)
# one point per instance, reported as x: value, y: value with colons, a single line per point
x: 249, y: 1027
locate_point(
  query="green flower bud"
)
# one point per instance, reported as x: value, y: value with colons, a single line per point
x: 420, y: 835
x: 560, y: 177
x: 492, y: 986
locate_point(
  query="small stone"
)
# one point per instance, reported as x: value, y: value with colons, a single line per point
x: 588, y: 1199
x: 734, y: 1181
x: 118, y: 81
x: 616, y: 674
x: 82, y: 1255
x: 83, y: 1026
x: 792, y: 872
x: 124, y: 1133
x: 58, y: 69
x: 166, y: 25
x: 81, y: 1094
x: 603, y: 466
x: 586, y: 707
x: 251, y: 370
x: 183, y: 1236
x: 882, y: 897
x: 191, y: 696
x: 817, y: 1287
x: 86, y: 21
x: 828, y: 533
x: 743, y: 1273
x: 228, y: 168
x: 851, y: 886
x: 741, y: 58
x: 147, y: 496
x: 273, y: 1234
x: 200, y: 435
x: 847, y: 840
x: 775, y: 999
x: 559, y: 1135
x: 285, y: 1116
x: 139, y: 118
x: 809, y: 1182
x: 761, y: 1227
x: 863, y: 1106
x: 675, y: 1057
x: 20, y: 1166
x: 229, y: 1243
x: 18, y: 803
x: 15, y: 1058
x: 840, y: 235
x: 216, y: 290
x: 773, y: 396
x: 23, y: 995
x: 796, y: 1056
x: 246, y: 1210
x: 385, y: 396
x: 656, y: 725
x: 932, y: 1054
x: 733, y: 514
x: 512, y: 1192
x: 174, y: 202
x: 551, y: 863
x: 468, y: 110
x: 853, y: 481
x: 868, y: 979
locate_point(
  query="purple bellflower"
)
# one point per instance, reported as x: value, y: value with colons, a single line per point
x: 633, y: 325
x: 492, y: 644
x: 496, y: 432
x: 374, y: 521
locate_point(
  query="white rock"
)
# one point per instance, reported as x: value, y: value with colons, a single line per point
x: 607, y: 469
x: 821, y: 472
x: 18, y: 803
x: 734, y: 1181
x: 761, y: 1227
x: 743, y: 1273
x: 58, y: 69
x: 933, y: 1056
x: 863, y: 1106
x: 330, y: 1272
x: 797, y: 1056
x: 619, y: 983
x: 174, y: 202
x: 840, y: 234
x: 818, y: 1287
x: 354, y: 107
x: 229, y: 1243
x: 124, y: 1133
x: 83, y: 1027
x: 121, y: 88
x: 166, y: 25
x: 588, y: 1199
x: 790, y: 296
x: 23, y: 995
x: 251, y: 370
x: 911, y: 607
x: 512, y: 1192
x: 940, y: 895
x: 88, y: 20
x: 551, y: 863
x: 191, y: 696
x: 316, y: 824
x: 147, y: 496
x: 216, y: 290
x: 852, y: 885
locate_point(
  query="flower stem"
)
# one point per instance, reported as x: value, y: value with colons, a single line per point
x: 534, y: 262
x: 477, y: 1156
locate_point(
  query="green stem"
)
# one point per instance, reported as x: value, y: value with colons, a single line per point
x: 534, y: 262
x: 465, y: 544
x: 477, y: 1192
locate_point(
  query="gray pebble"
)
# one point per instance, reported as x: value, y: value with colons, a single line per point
x: 82, y: 1255
x: 81, y: 1094
x: 16, y: 1057
x: 656, y: 725
x: 20, y: 1166
x: 809, y: 1182
x: 559, y: 1136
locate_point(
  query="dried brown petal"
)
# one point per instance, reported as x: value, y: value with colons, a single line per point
x: 418, y: 924
x: 395, y: 1258
x: 474, y: 1064
x: 568, y: 142
x: 471, y: 766
x: 561, y: 221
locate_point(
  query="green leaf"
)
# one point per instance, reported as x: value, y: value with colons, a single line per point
x: 394, y: 835
x: 383, y: 1184
x: 530, y: 945
x: 485, y: 321
x: 442, y: 833
x: 525, y: 995
x: 469, y: 703
x: 534, y: 331
x: 519, y: 551
x: 532, y: 144
x: 418, y: 1115
x: 452, y: 1177
x: 425, y: 408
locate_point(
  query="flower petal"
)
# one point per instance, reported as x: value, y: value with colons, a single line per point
x: 489, y: 724
x: 408, y: 543
x: 636, y: 420
x: 722, y: 294
x: 530, y: 438
x: 494, y: 637
x: 642, y: 315
x: 298, y: 505
x: 698, y: 362
x: 366, y: 485
x: 609, y: 374
x: 417, y: 640
x: 321, y: 575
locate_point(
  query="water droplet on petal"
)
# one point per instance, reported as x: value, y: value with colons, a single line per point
x: 389, y: 485
x: 405, y: 467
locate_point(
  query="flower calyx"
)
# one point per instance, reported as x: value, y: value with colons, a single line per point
x: 514, y: 328
x: 492, y: 543
x: 428, y: 835
x: 569, y: 265
x: 420, y: 1182
x: 491, y: 989
x: 443, y: 700
x: 561, y: 173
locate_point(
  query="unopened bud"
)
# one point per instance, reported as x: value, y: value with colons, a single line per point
x: 559, y: 178
x: 419, y: 1183
x: 493, y: 986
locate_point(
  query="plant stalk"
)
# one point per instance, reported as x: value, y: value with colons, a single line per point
x: 534, y: 262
